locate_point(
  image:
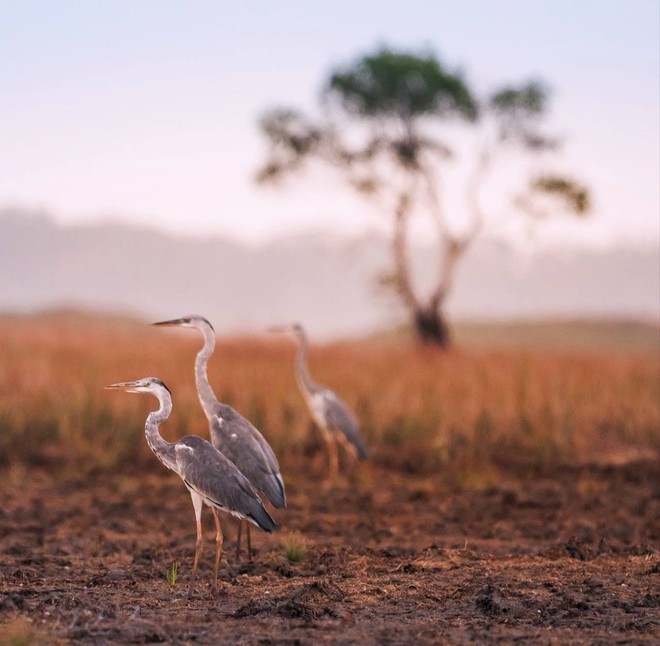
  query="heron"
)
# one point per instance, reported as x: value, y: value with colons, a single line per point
x: 230, y: 432
x: 331, y: 415
x: 210, y: 477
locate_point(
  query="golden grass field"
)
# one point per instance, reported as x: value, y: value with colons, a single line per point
x: 468, y: 413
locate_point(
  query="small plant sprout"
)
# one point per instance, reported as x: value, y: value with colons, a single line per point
x: 171, y: 575
x: 294, y: 546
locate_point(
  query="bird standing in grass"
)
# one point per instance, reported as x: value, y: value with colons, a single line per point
x: 230, y: 432
x: 209, y: 476
x: 334, y: 419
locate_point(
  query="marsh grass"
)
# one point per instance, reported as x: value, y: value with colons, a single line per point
x: 171, y: 575
x: 19, y: 631
x: 294, y: 547
x: 463, y: 415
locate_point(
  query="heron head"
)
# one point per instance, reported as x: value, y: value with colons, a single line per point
x: 151, y: 385
x: 193, y: 321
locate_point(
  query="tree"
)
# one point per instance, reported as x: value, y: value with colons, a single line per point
x: 389, y: 126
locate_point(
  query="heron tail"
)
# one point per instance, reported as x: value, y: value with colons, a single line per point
x: 362, y: 453
x: 274, y: 490
x: 261, y: 518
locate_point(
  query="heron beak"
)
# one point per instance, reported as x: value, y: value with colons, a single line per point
x: 171, y: 323
x: 278, y: 328
x: 124, y: 385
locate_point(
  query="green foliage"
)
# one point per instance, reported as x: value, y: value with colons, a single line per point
x: 399, y: 85
x: 394, y: 98
x: 171, y: 575
x: 520, y: 102
x: 517, y: 110
x: 294, y: 547
x: 292, y: 138
x: 382, y: 133
x: 574, y: 195
x: 393, y: 87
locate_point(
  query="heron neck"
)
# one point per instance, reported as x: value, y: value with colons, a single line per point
x: 205, y: 393
x: 163, y: 449
x: 302, y: 375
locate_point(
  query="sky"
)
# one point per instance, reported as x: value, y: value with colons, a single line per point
x: 145, y: 111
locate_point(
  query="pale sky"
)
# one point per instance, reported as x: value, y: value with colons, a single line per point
x: 145, y: 110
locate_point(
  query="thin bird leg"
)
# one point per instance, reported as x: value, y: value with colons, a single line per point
x: 249, y: 541
x: 333, y: 458
x: 238, y: 539
x: 218, y: 545
x: 197, y: 504
x: 349, y: 450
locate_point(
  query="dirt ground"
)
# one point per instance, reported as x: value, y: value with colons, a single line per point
x: 566, y: 557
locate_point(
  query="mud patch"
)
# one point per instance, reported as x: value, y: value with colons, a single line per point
x: 403, y: 560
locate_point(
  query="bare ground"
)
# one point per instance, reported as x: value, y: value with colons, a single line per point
x: 565, y: 557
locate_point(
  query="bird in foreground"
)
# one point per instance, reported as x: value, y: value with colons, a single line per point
x: 334, y: 419
x: 231, y: 433
x: 209, y: 476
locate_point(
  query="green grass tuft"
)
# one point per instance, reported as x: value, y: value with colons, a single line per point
x: 294, y: 547
x: 172, y: 575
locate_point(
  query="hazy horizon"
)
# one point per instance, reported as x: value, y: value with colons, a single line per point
x: 329, y: 282
x: 536, y: 244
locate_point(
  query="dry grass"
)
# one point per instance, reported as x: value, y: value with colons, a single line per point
x: 20, y: 631
x: 294, y: 546
x: 464, y: 414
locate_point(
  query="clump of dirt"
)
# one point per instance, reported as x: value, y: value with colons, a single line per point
x: 569, y: 557
x: 309, y: 602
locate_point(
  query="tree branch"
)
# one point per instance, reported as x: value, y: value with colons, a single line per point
x: 472, y: 195
x: 436, y: 210
x: 454, y: 247
x: 402, y: 271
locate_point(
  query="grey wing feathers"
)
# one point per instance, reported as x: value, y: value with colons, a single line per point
x: 341, y: 419
x: 247, y: 448
x: 206, y: 471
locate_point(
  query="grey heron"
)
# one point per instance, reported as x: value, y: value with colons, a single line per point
x: 209, y: 476
x: 332, y: 416
x: 231, y: 433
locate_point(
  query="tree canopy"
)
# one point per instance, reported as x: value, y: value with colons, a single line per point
x: 384, y: 128
x: 402, y: 86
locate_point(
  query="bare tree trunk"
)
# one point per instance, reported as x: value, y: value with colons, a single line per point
x: 431, y: 327
x: 402, y: 275
x: 428, y: 320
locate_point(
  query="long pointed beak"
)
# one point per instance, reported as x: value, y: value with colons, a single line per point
x: 124, y: 385
x: 278, y: 328
x: 171, y: 322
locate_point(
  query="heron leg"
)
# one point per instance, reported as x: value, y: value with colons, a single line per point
x: 218, y: 545
x: 349, y: 450
x: 249, y: 541
x: 333, y: 458
x: 197, y: 504
x: 238, y: 539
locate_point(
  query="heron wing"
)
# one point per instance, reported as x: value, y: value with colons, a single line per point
x: 211, y: 475
x: 340, y: 418
x: 247, y: 448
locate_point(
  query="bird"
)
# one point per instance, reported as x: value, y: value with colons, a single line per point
x: 209, y: 476
x: 230, y: 432
x: 331, y: 415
